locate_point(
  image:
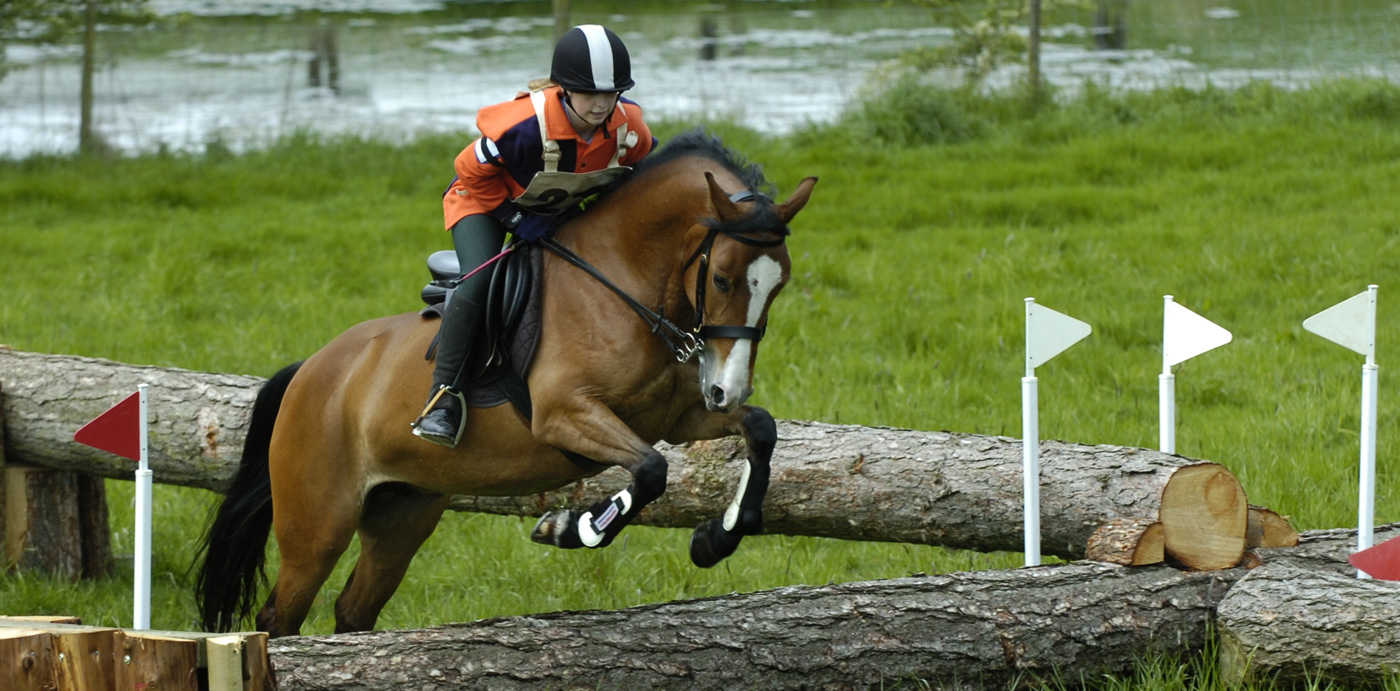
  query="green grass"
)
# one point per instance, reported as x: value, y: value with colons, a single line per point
x: 1256, y: 208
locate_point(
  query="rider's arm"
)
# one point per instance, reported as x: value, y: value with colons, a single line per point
x: 482, y: 176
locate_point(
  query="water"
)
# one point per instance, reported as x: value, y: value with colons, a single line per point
x: 410, y: 66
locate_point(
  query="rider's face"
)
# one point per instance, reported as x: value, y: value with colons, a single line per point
x: 593, y: 106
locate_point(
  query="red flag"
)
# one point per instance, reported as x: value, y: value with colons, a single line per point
x: 118, y: 430
x: 1381, y: 561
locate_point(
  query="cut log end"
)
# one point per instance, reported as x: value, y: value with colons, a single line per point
x: 1205, y: 517
x: 1127, y: 541
x: 1268, y: 529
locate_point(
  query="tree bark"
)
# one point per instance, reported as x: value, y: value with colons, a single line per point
x: 1127, y: 541
x: 1292, y: 624
x: 197, y: 419
x: 1326, y: 550
x: 839, y: 481
x: 974, y: 630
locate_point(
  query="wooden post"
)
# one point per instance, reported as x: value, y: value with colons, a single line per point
x: 1033, y: 57
x: 158, y: 662
x: 86, y: 659
x: 44, y: 653
x: 561, y: 17
x: 26, y: 660
x: 53, y: 521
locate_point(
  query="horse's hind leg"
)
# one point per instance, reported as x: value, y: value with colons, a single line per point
x: 312, y: 532
x: 717, y: 538
x: 396, y: 522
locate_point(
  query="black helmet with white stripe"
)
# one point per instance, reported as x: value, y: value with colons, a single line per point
x: 591, y: 58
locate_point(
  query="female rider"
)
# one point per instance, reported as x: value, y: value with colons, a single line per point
x: 538, y: 155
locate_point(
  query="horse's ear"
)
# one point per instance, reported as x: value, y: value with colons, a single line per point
x: 724, y: 209
x: 799, y: 198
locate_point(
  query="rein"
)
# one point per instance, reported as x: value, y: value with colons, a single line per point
x: 683, y: 344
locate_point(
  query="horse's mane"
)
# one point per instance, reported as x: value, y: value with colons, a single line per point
x: 701, y: 143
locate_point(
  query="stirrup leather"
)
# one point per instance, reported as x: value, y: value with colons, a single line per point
x: 432, y: 402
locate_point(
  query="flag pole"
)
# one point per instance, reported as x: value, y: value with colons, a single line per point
x: 1366, y: 510
x: 142, y: 562
x: 1166, y: 392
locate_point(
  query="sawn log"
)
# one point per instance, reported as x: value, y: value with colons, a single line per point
x: 840, y: 481
x: 974, y: 630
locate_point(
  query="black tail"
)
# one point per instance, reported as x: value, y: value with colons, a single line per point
x: 235, y: 543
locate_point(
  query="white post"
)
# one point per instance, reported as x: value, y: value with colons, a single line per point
x: 142, y: 561
x: 1166, y: 392
x: 1352, y: 323
x: 1166, y: 395
x: 1048, y: 333
x: 1030, y: 465
x: 1367, y: 510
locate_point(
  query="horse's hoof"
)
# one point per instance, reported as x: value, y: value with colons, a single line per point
x: 558, y: 528
x: 711, y: 543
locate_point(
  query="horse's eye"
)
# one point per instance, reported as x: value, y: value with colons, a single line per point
x: 721, y: 283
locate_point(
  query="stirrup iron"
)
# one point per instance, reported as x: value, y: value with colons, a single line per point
x: 432, y: 403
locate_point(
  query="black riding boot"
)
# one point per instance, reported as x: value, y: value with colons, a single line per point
x: 442, y: 419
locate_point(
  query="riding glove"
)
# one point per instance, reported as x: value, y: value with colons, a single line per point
x: 533, y: 227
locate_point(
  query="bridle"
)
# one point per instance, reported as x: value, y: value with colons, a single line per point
x: 683, y: 344
x: 703, y: 274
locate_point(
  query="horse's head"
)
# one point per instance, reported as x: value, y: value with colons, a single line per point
x: 732, y: 278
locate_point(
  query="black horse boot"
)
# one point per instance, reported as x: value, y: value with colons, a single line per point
x: 443, y: 418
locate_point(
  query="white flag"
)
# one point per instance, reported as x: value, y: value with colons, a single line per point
x: 1049, y: 333
x: 1186, y: 334
x: 1350, y: 323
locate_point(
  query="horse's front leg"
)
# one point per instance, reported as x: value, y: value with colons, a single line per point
x: 598, y: 435
x: 717, y: 538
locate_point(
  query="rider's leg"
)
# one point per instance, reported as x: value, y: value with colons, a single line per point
x: 477, y: 238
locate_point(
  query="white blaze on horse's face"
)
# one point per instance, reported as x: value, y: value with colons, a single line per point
x: 726, y: 379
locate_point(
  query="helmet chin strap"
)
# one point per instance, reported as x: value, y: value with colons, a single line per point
x: 569, y: 103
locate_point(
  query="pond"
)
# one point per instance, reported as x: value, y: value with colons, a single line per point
x: 393, y: 68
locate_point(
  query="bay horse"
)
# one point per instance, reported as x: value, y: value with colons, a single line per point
x: 330, y: 453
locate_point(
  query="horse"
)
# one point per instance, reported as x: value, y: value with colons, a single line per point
x: 690, y: 238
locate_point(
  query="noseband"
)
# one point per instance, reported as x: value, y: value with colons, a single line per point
x: 684, y: 344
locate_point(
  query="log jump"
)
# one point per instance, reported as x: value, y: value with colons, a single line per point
x: 1116, y: 504
x: 839, y: 481
x: 1300, y: 618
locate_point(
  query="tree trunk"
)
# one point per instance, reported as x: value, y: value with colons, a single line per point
x: 197, y: 419
x: 1291, y: 624
x: 562, y: 23
x: 87, y: 142
x: 839, y: 481
x: 984, y: 629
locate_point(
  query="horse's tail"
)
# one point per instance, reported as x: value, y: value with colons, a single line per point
x: 234, y: 546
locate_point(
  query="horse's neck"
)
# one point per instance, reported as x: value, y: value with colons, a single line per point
x: 641, y: 247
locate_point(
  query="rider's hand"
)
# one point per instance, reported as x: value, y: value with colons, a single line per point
x: 534, y: 227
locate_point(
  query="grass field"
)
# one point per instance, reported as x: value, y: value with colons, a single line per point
x: 937, y: 213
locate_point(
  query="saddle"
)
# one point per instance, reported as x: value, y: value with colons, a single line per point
x: 509, y: 331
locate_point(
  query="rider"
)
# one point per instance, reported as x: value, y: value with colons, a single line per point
x: 538, y: 155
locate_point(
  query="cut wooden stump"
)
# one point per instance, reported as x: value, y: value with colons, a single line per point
x: 1127, y: 541
x: 1290, y: 624
x: 44, y: 653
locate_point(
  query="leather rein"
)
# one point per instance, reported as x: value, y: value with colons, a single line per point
x: 683, y: 344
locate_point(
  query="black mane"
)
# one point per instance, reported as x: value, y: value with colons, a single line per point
x: 699, y: 142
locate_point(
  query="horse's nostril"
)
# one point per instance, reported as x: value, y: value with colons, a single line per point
x: 717, y: 394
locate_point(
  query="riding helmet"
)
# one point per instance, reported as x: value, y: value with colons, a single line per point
x: 591, y: 58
